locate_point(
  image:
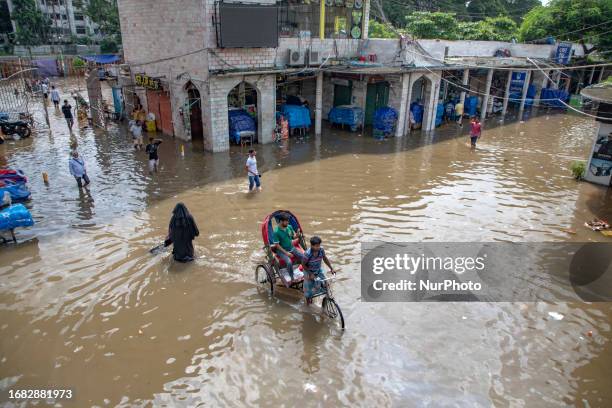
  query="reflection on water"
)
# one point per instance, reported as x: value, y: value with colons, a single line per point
x: 84, y: 305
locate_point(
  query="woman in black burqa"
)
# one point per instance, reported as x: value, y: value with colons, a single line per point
x: 181, y: 232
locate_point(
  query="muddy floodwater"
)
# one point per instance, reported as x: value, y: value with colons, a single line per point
x: 84, y: 305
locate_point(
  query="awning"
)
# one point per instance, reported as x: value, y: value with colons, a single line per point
x: 101, y: 59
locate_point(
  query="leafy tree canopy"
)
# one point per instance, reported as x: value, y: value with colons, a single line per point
x: 31, y: 25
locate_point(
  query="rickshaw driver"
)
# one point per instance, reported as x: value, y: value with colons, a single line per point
x: 283, y: 244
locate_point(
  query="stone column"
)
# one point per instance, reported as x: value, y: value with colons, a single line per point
x: 557, y: 79
x: 408, y: 102
x: 464, y: 83
x: 401, y: 120
x: 507, y: 93
x: 487, y: 95
x: 568, y: 82
x: 591, y: 76
x: 540, y: 86
x: 524, y: 93
x: 319, y: 103
x: 601, y: 73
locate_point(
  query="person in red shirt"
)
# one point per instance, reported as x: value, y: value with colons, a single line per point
x: 475, y: 130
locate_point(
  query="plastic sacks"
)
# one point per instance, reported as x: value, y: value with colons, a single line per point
x: 18, y: 191
x: 346, y: 115
x: 298, y: 116
x: 240, y: 121
x: 417, y: 112
x: 16, y: 176
x: 15, y: 216
x: 384, y: 120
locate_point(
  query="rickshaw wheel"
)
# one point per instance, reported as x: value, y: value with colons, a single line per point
x: 332, y: 310
x: 263, y: 277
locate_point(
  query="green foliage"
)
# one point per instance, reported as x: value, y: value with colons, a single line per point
x: 380, y: 30
x: 440, y: 25
x: 32, y: 25
x: 490, y: 29
x: 78, y: 63
x: 105, y: 14
x: 568, y: 20
x: 109, y: 45
x: 486, y: 8
x: 578, y: 169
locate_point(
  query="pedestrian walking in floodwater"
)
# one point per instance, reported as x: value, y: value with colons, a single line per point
x: 67, y: 111
x: 253, y: 173
x: 55, y: 97
x: 181, y: 233
x: 77, y: 169
x: 475, y: 131
x: 152, y: 149
x: 136, y: 130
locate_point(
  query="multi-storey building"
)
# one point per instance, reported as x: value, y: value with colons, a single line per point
x: 67, y: 19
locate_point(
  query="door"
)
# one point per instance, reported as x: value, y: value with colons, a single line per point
x: 377, y: 96
x: 342, y: 94
x: 195, y: 119
x: 165, y: 114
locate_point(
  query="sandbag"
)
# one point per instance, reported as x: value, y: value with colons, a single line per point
x: 15, y: 216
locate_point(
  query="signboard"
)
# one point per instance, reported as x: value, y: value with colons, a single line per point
x: 147, y: 82
x: 563, y: 53
x: 247, y: 25
x: 518, y: 79
x: 599, y: 169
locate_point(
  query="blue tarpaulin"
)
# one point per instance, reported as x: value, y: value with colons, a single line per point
x: 471, y: 105
x: 240, y: 121
x: 384, y: 120
x: 15, y: 216
x: 101, y: 59
x: 346, y: 115
x: 417, y: 112
x: 298, y: 116
x: 557, y: 94
x: 17, y: 191
x: 439, y: 114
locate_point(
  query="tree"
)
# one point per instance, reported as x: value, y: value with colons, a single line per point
x: 480, y: 9
x: 433, y: 25
x: 31, y: 25
x: 380, y: 30
x: 516, y: 9
x: 105, y: 14
x: 5, y: 20
x: 583, y: 21
x: 489, y: 29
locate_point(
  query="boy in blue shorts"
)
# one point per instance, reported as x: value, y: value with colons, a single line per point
x: 314, y: 278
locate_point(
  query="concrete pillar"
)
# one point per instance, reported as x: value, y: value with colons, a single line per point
x: 319, y: 103
x: 557, y: 78
x: 591, y: 76
x: 601, y: 73
x: 429, y: 122
x: 507, y: 93
x: 464, y: 83
x: 408, y: 102
x: 568, y: 82
x: 365, y: 21
x: 524, y: 93
x: 487, y: 95
x: 541, y: 85
x: 401, y: 120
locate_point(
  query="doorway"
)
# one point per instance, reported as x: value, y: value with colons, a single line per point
x: 377, y: 96
x: 194, y: 106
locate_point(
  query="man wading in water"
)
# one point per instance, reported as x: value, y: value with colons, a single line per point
x: 181, y: 233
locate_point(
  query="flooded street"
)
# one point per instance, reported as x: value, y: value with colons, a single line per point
x: 85, y: 306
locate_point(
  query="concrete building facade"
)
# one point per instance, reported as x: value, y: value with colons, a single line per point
x: 195, y: 78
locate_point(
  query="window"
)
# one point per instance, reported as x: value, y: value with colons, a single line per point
x: 340, y: 21
x: 79, y: 17
x: 81, y: 30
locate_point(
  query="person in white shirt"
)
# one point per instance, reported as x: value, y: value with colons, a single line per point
x: 136, y: 130
x: 55, y: 97
x: 251, y: 168
x: 45, y: 91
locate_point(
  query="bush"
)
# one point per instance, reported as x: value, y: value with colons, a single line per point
x: 578, y: 169
x: 109, y: 45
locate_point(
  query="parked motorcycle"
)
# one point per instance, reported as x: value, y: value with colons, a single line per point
x: 19, y: 128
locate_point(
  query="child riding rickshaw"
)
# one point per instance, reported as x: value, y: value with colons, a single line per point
x: 289, y: 263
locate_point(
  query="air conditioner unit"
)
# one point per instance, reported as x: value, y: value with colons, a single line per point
x: 296, y: 57
x: 314, y: 57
